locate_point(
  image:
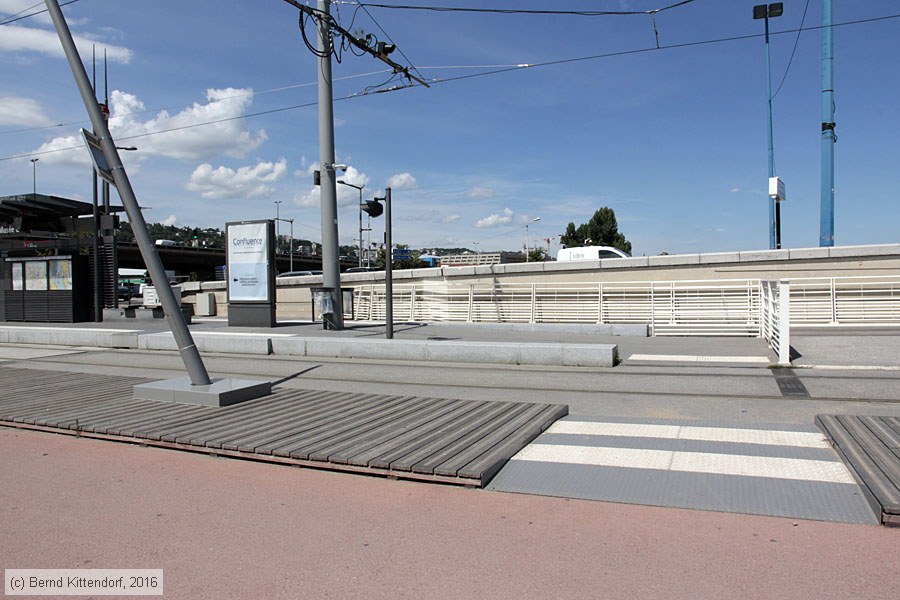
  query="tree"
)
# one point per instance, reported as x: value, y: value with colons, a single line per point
x: 601, y: 230
x: 537, y: 255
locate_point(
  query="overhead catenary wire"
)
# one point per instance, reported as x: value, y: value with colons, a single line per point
x: 791, y: 60
x: 16, y: 17
x: 487, y: 73
x: 524, y: 11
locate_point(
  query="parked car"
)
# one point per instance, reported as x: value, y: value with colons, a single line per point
x: 125, y: 293
x: 362, y: 270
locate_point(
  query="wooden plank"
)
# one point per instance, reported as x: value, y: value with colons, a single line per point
x: 361, y: 424
x: 440, y: 442
x: 856, y: 460
x: 321, y: 428
x: 134, y: 411
x: 484, y: 429
x: 428, y: 427
x: 488, y: 465
x: 387, y: 427
x: 258, y: 418
x: 887, y: 434
x: 317, y: 407
x: 213, y: 415
x: 222, y: 419
x: 881, y: 457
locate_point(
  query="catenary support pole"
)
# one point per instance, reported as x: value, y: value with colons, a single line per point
x: 826, y: 211
x: 388, y: 269
x: 331, y: 266
x: 189, y: 353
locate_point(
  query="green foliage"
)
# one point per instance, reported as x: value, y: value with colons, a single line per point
x: 601, y: 230
x: 537, y: 255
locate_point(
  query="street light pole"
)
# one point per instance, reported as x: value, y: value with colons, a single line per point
x: 360, y: 188
x: 34, y: 176
x: 527, y: 239
x: 764, y: 11
x: 277, y: 206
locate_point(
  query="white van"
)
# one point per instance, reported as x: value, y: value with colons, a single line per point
x: 589, y: 253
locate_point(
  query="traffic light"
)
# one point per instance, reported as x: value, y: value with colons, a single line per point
x: 373, y: 208
x: 195, y: 234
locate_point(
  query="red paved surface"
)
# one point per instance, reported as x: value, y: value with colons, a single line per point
x: 235, y: 529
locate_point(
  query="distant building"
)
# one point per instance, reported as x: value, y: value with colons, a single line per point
x: 481, y: 258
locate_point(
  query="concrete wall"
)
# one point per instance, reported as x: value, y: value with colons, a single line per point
x: 293, y: 295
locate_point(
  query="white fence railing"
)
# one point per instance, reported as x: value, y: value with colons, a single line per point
x: 714, y: 308
x: 775, y: 322
x: 845, y: 301
x: 722, y: 308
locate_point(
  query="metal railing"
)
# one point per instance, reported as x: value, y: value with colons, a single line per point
x: 710, y: 308
x: 775, y: 322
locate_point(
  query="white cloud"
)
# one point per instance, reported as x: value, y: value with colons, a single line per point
x: 496, y: 220
x: 227, y: 135
x: 482, y: 192
x: 735, y: 190
x: 402, y: 181
x: 15, y: 110
x: 46, y: 41
x: 346, y: 195
x: 170, y: 220
x: 245, y: 182
x: 451, y: 218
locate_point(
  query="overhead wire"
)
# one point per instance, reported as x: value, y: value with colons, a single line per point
x: 791, y: 60
x: 11, y: 18
x: 492, y: 72
x: 522, y: 11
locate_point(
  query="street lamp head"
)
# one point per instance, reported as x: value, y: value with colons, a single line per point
x: 535, y: 220
x: 342, y: 168
x: 34, y: 160
x: 128, y: 148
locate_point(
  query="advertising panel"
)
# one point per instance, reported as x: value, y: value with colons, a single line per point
x: 248, y: 262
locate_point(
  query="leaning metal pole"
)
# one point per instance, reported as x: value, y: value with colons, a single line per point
x: 189, y: 353
x: 826, y: 211
x: 331, y: 266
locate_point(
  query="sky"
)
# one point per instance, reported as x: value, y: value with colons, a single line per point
x: 527, y: 117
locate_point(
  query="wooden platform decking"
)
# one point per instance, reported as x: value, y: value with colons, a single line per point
x: 448, y: 441
x: 870, y: 446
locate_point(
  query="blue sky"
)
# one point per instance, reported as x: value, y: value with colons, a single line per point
x: 674, y: 140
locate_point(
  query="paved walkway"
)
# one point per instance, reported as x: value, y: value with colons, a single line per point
x: 752, y: 468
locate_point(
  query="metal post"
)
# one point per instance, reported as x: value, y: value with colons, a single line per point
x: 189, y: 353
x: 331, y: 267
x: 95, y: 248
x: 826, y: 216
x: 34, y: 176
x: 772, y: 210
x: 359, y: 208
x: 388, y: 269
x: 291, y: 260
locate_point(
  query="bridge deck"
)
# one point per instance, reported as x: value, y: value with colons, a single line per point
x: 448, y: 441
x: 870, y: 446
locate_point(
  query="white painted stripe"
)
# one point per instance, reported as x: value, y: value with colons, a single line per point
x: 690, y: 462
x: 243, y: 334
x: 695, y: 358
x: 848, y: 367
x: 799, y: 439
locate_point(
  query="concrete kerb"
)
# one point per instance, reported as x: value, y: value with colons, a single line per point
x: 258, y: 345
x: 511, y: 353
x: 63, y: 337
